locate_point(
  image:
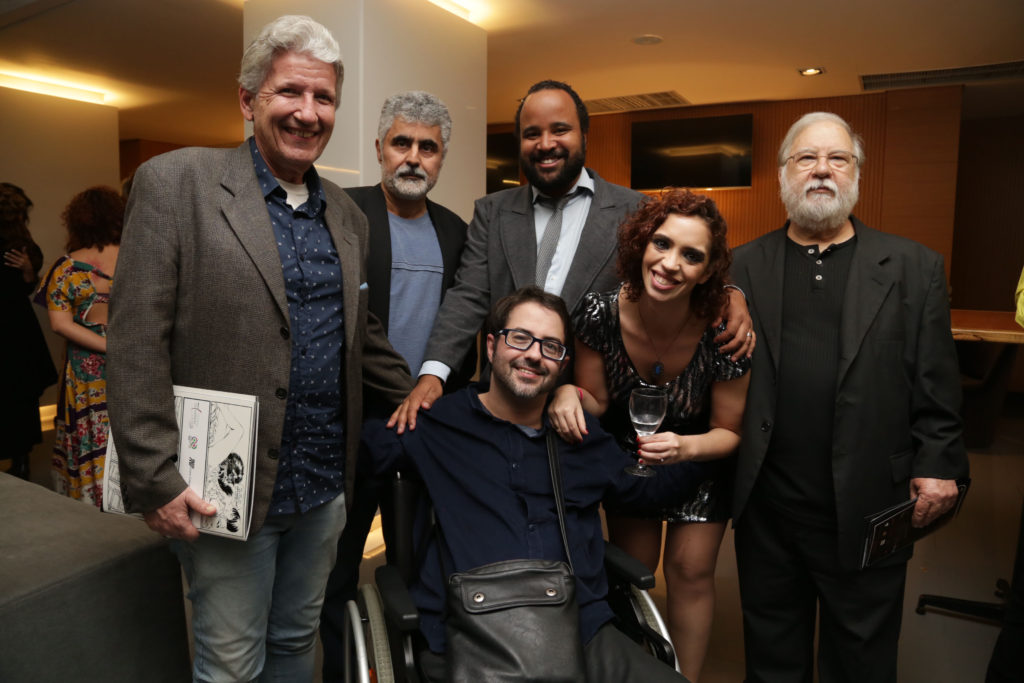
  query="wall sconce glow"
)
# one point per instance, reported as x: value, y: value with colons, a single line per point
x: 457, y: 8
x: 812, y: 71
x: 50, y: 86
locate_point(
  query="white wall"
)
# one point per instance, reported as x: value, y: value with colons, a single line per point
x: 54, y: 148
x: 394, y: 45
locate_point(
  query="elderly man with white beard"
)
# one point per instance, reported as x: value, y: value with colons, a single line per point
x: 853, y: 407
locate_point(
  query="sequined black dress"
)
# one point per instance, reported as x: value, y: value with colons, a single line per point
x: 689, y: 402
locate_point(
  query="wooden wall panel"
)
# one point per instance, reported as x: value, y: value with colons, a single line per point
x: 921, y: 149
x: 988, y: 243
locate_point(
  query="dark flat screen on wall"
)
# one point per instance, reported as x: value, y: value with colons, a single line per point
x: 695, y: 153
x: 502, y: 161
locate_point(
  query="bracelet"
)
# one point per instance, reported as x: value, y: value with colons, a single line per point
x: 580, y: 390
x: 731, y: 286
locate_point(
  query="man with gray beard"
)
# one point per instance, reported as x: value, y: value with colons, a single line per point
x: 415, y: 247
x: 853, y: 407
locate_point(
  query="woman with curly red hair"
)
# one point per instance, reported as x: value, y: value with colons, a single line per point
x: 656, y: 330
x: 76, y: 294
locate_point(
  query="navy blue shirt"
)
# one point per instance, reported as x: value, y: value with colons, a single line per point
x: 491, y: 490
x: 310, y: 470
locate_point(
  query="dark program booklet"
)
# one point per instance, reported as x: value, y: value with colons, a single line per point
x: 891, y: 530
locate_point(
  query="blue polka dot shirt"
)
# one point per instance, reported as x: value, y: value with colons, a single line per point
x: 310, y: 469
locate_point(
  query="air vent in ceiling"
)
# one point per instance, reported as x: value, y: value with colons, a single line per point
x: 652, y: 100
x: 967, y: 74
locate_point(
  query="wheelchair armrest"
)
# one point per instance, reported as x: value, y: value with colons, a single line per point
x: 394, y: 595
x: 620, y: 564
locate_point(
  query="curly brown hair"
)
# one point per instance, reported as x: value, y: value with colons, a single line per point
x: 636, y: 232
x: 94, y: 218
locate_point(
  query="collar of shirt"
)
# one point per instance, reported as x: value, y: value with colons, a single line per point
x: 574, y: 218
x: 271, y: 187
x: 585, y: 182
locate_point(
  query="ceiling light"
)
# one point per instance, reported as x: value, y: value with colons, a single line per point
x: 648, y: 39
x: 53, y: 87
x: 812, y: 71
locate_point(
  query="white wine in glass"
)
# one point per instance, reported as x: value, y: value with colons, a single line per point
x: 647, y: 406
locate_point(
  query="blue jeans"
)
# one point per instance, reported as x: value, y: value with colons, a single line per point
x: 256, y: 604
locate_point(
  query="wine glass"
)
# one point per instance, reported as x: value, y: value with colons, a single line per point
x: 647, y: 406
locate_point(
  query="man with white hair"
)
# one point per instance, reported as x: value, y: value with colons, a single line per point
x: 853, y: 407
x: 415, y: 247
x: 242, y: 270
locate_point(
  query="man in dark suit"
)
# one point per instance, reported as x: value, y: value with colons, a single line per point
x: 415, y: 245
x: 243, y: 271
x: 558, y: 232
x: 853, y: 407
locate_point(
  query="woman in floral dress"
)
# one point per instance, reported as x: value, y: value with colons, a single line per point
x: 76, y: 294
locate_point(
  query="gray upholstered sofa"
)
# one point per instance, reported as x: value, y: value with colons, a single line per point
x: 85, y: 596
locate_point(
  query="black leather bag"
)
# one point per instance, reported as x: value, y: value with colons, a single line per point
x: 516, y: 620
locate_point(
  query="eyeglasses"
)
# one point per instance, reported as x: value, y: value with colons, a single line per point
x: 522, y: 340
x: 837, y: 161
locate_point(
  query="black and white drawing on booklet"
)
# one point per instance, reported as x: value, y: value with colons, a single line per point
x: 226, y: 478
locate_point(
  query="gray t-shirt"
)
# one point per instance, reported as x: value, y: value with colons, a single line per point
x: 416, y: 278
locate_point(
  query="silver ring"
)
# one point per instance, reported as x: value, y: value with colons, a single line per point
x: 749, y: 335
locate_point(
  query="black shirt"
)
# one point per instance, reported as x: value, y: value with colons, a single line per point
x: 797, y: 474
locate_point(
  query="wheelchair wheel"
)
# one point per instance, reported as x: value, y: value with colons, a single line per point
x: 377, y: 635
x: 652, y: 617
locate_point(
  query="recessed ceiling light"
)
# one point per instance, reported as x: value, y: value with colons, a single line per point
x: 648, y: 39
x: 812, y: 71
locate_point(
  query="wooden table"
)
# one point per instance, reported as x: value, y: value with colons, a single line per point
x: 991, y: 326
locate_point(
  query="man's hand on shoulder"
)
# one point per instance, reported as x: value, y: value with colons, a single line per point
x: 738, y: 339
x: 173, y: 521
x: 934, y: 497
x: 427, y: 390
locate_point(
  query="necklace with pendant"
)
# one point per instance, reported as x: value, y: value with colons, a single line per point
x: 659, y: 367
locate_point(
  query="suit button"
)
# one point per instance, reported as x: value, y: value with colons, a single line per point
x: 766, y: 425
x: 273, y: 454
x: 281, y: 393
x: 285, y: 334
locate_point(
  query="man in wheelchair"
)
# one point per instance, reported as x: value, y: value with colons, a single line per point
x: 484, y: 461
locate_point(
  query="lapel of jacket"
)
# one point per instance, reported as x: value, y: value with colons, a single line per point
x: 246, y: 213
x: 349, y: 254
x: 866, y: 288
x: 519, y: 237
x: 597, y: 241
x: 378, y: 258
x: 448, y: 240
x: 767, y: 272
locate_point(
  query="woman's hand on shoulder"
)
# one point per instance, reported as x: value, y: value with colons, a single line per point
x: 666, y: 448
x: 566, y: 414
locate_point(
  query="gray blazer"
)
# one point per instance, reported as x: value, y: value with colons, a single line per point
x: 200, y: 301
x: 898, y: 388
x: 501, y: 256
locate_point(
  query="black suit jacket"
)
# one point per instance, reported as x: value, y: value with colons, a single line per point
x: 451, y: 235
x: 898, y: 391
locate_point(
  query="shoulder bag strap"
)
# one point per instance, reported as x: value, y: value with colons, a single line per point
x: 556, y: 485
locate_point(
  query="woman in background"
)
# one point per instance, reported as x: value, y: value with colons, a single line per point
x: 655, y: 330
x: 27, y: 368
x: 76, y: 293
